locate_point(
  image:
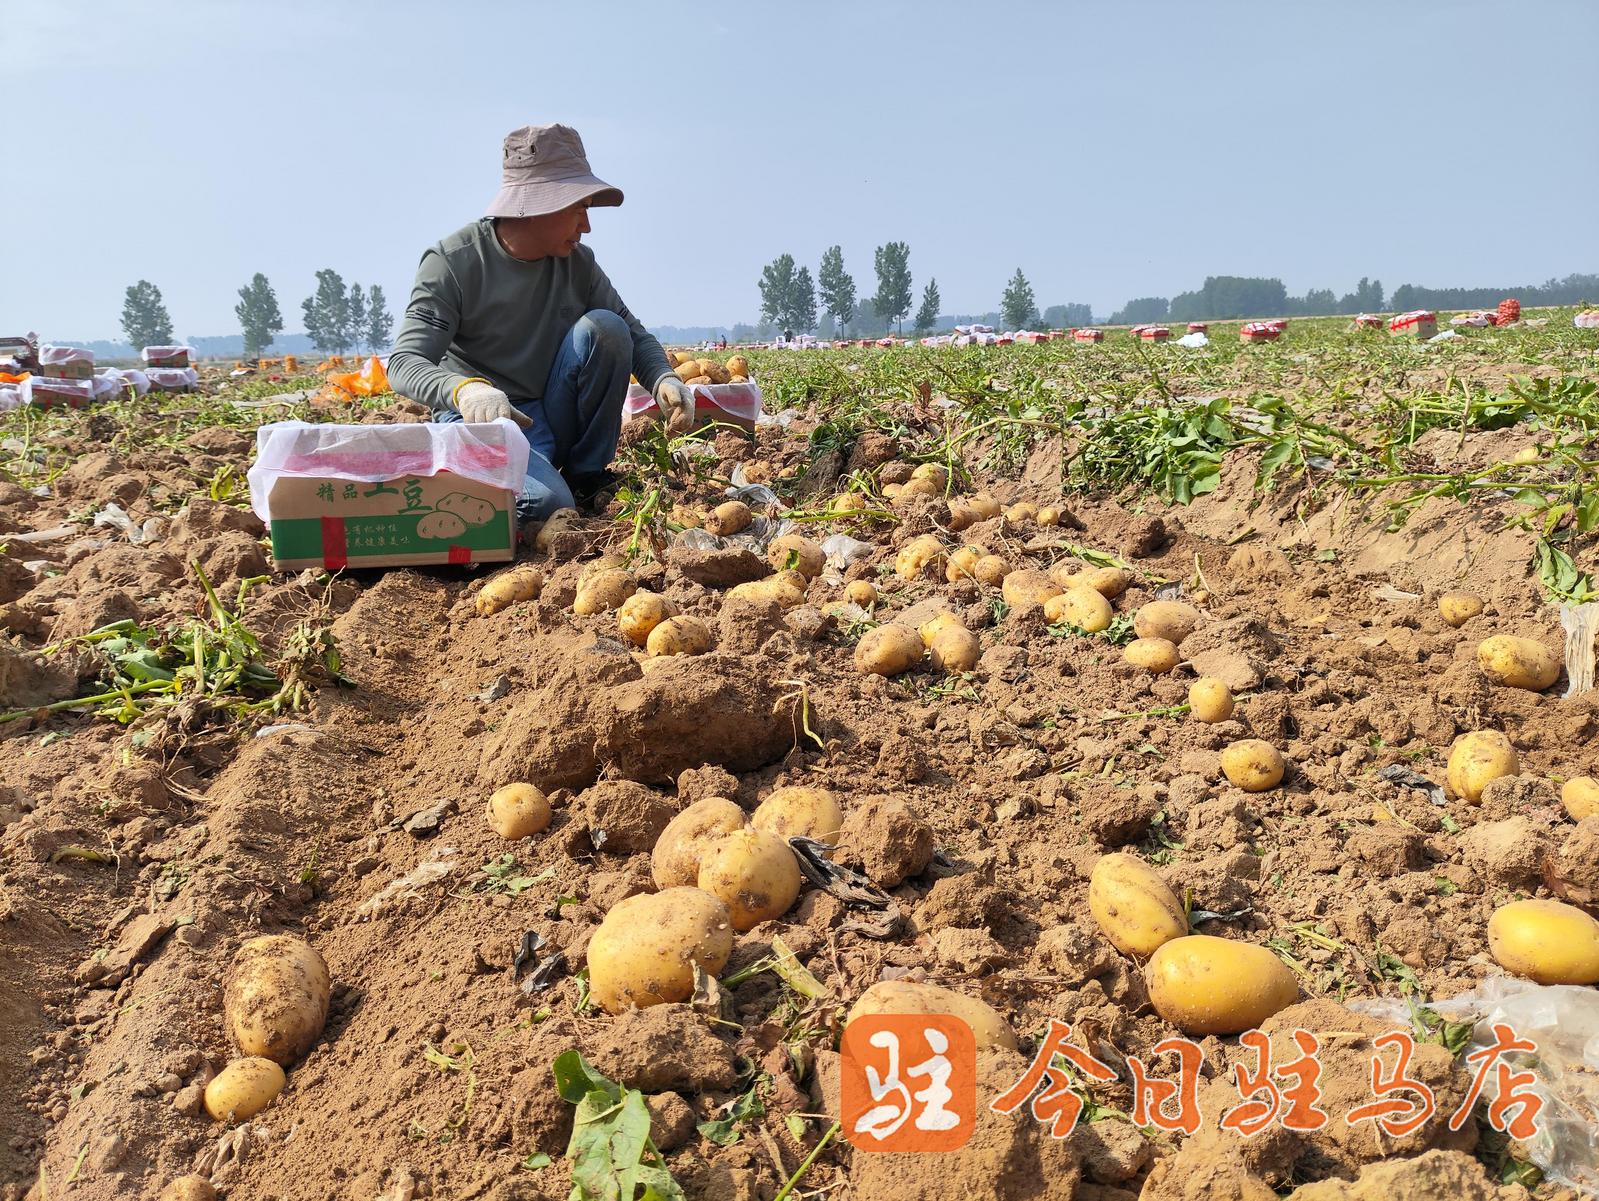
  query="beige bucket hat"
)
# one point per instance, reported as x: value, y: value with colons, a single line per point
x: 546, y: 171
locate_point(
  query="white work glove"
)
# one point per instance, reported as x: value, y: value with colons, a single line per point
x: 479, y: 401
x: 676, y: 400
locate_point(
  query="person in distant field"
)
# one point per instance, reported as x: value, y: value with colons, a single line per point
x: 512, y: 317
x: 721, y: 343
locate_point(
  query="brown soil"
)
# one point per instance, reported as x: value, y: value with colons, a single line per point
x: 204, y: 833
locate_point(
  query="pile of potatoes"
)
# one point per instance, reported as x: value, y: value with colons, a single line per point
x: 708, y: 371
x: 716, y: 872
x: 275, y: 1003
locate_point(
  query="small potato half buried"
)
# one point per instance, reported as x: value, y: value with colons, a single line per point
x: 1081, y: 607
x: 1518, y: 662
x: 645, y: 950
x: 1207, y: 985
x: 276, y: 997
x: 681, y: 635
x: 1478, y: 759
x: 1253, y: 764
x: 641, y: 613
x: 675, y: 861
x: 1171, y: 620
x: 1547, y: 941
x: 912, y: 998
x: 888, y: 650
x: 800, y: 812
x: 755, y: 875
x: 243, y: 1089
x: 518, y: 811
x: 922, y: 556
x: 793, y: 551
x: 604, y: 591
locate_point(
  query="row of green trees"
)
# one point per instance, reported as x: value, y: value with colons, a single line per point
x: 789, y: 299
x: 337, y: 318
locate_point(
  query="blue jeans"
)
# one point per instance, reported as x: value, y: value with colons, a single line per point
x: 578, y: 422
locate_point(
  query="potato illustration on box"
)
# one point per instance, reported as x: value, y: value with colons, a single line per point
x: 471, y: 509
x: 440, y: 525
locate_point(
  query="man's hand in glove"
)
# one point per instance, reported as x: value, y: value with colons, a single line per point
x: 677, y: 403
x: 477, y: 400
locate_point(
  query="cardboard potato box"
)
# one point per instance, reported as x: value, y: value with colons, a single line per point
x: 1259, y: 331
x: 1155, y: 333
x: 408, y: 520
x: 1417, y: 324
x: 76, y: 370
x: 1089, y: 335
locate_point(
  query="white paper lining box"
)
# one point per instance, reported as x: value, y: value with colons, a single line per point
x: 66, y: 362
x: 167, y: 356
x: 337, y: 496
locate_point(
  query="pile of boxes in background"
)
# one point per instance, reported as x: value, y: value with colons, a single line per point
x: 168, y: 368
x: 65, y: 377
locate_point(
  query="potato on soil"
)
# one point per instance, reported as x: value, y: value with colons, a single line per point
x: 1518, y: 662
x: 645, y: 950
x: 681, y: 635
x: 848, y: 502
x: 518, y: 811
x: 1133, y: 906
x: 1580, y: 796
x: 243, y: 1089
x: 675, y: 861
x: 1028, y: 587
x: 188, y: 1188
x: 888, y: 650
x: 1048, y: 515
x: 641, y: 613
x: 1171, y: 620
x: 1546, y: 941
x: 961, y: 515
x: 794, y: 552
x: 1021, y: 513
x: 1207, y: 985
x: 729, y: 517
x: 558, y: 523
x: 933, y: 473
x: 276, y: 997
x: 799, y: 811
x: 1081, y: 607
x: 1210, y: 700
x: 1253, y: 765
x: 521, y: 583
x: 778, y: 589
x: 1109, y: 582
x: 991, y: 570
x: 604, y: 591
x: 987, y: 507
x: 1457, y: 608
x: 1476, y: 760
x: 962, y: 562
x: 1154, y: 655
x: 754, y: 874
x: 911, y: 998
x: 861, y: 592
x: 922, y: 556
x: 938, y: 621
x: 954, y: 648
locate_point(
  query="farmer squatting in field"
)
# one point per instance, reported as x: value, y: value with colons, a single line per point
x: 512, y: 317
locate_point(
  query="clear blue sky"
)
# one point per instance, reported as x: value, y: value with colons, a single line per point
x: 1109, y: 150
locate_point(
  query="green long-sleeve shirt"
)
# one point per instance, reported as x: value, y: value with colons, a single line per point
x: 476, y: 311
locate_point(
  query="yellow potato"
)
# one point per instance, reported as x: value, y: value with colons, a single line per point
x: 1210, y: 700
x: 1049, y: 515
x: 849, y: 502
x: 961, y: 515
x: 987, y: 507
x: 1155, y: 655
x: 991, y: 570
x: 523, y: 582
x: 888, y: 650
x: 1081, y: 607
x: 188, y: 1188
x: 595, y: 566
x: 717, y: 373
x: 729, y: 517
x: 676, y: 858
x: 681, y: 635
x: 645, y: 951
x: 923, y: 556
x: 954, y: 648
x: 697, y: 380
x: 1133, y: 906
x: 754, y: 874
x: 518, y: 810
x: 641, y: 613
x: 738, y: 365
x: 1546, y: 941
x: 1580, y: 796
x: 1457, y: 608
x: 800, y: 812
x: 934, y: 473
x: 1109, y: 582
x: 687, y: 516
x: 1518, y: 662
x: 777, y: 589
x: 243, y: 1089
x: 1476, y: 760
x: 930, y: 628
x: 793, y: 552
x: 962, y: 561
x: 1207, y: 985
x: 1026, y: 587
x: 1171, y: 620
x: 604, y: 591
x: 891, y: 492
x: 276, y: 997
x: 559, y: 522
x: 861, y: 592
x: 913, y: 999
x: 1253, y: 765
x: 917, y: 487
x: 1021, y: 513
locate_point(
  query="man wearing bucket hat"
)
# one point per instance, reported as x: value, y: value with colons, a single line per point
x: 512, y: 317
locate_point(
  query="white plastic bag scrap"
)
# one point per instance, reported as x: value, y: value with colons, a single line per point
x: 60, y: 356
x: 10, y: 397
x: 493, y: 453
x: 107, y: 384
x: 139, y: 380
x: 1195, y: 340
x: 842, y: 550
x: 172, y: 379
x: 1581, y: 624
x: 430, y: 871
x: 1448, y: 335
x: 1562, y: 1021
x: 167, y: 356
